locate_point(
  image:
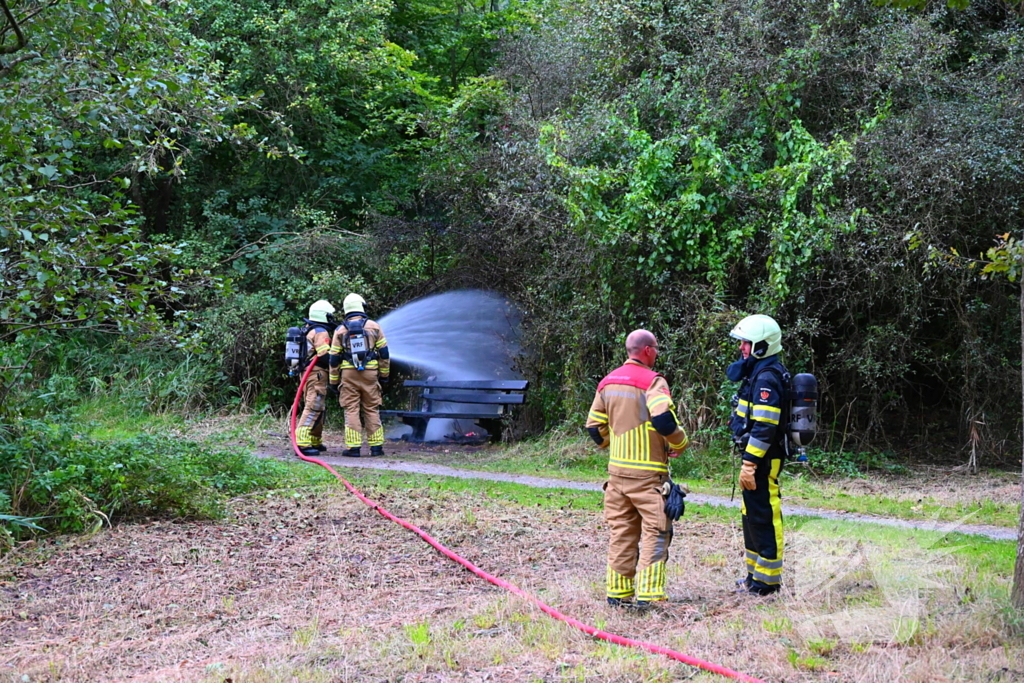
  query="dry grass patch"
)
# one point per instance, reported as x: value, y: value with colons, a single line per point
x: 317, y: 587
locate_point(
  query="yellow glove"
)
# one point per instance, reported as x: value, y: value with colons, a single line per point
x: 747, y: 482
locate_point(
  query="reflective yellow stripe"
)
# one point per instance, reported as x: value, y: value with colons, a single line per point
x: 657, y: 401
x: 681, y: 445
x: 599, y: 417
x: 634, y: 465
x: 617, y: 585
x: 323, y: 348
x: 775, y: 500
x: 651, y: 583
x: 769, y: 414
x: 742, y: 408
x: 371, y: 365
x: 632, y: 450
x: 380, y: 342
x: 755, y: 451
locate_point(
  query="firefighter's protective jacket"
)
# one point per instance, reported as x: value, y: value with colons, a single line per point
x: 318, y: 341
x: 759, y: 411
x: 379, y: 358
x: 634, y: 417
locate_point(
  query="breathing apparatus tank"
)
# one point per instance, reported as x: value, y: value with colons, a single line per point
x: 293, y: 350
x: 357, y: 341
x: 803, y: 414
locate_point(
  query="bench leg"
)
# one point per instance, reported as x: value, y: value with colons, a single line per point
x: 419, y: 427
x: 493, y: 427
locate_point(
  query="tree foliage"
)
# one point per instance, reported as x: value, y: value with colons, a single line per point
x: 713, y: 160
x: 608, y: 165
x: 83, y: 128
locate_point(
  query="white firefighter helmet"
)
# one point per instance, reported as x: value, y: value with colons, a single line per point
x: 763, y: 333
x: 354, y: 304
x: 321, y: 311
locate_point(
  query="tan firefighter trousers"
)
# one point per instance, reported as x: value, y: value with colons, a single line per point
x: 640, y: 536
x: 309, y: 430
x: 360, y: 397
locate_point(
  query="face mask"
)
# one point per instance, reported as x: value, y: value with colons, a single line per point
x: 740, y: 369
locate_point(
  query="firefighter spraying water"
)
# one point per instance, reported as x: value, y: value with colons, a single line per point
x: 461, y: 335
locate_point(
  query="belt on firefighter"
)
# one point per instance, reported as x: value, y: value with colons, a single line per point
x: 370, y: 355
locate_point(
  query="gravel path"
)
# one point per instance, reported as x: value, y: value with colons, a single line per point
x: 993, y: 532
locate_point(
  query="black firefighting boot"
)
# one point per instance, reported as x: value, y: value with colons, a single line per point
x: 320, y: 447
x: 309, y: 451
x: 743, y: 585
x: 351, y: 452
x: 758, y: 588
x: 376, y: 450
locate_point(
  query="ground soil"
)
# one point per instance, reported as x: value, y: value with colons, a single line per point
x: 319, y: 587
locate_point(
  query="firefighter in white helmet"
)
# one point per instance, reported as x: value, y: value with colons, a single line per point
x: 755, y: 425
x: 310, y: 427
x: 360, y: 360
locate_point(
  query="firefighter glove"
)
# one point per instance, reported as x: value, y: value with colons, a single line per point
x: 385, y: 382
x: 747, y: 482
x: 333, y: 390
x: 675, y: 503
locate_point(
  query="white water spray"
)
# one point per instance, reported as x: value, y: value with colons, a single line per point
x: 463, y: 335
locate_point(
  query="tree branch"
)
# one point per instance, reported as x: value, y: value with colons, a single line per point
x: 30, y: 15
x: 15, y: 62
x: 21, y: 42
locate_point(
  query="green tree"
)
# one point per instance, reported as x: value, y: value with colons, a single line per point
x: 85, y: 133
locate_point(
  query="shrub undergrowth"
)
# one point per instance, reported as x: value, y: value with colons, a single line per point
x: 70, y: 482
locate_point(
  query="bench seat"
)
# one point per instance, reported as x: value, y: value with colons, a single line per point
x: 498, y: 393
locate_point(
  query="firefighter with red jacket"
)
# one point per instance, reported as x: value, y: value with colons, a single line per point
x: 756, y: 432
x: 361, y: 362
x: 634, y: 417
x: 309, y: 429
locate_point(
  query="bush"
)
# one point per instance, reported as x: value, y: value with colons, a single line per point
x: 843, y: 463
x: 77, y: 483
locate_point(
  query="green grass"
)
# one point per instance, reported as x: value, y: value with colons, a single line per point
x: 567, y: 455
x: 106, y: 418
x: 497, y: 493
x: 802, y: 490
x: 986, y: 555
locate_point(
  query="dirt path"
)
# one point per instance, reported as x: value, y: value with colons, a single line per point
x: 391, y: 464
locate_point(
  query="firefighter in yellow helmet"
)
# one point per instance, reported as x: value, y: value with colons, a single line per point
x: 633, y: 416
x: 360, y: 360
x: 760, y: 406
x: 310, y: 427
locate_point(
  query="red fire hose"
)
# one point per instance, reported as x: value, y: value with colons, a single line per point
x: 597, y: 633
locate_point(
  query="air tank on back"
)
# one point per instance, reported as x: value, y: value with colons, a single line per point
x: 803, y: 416
x: 291, y: 349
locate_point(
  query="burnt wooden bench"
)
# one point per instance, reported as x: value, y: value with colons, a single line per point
x: 499, y: 393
